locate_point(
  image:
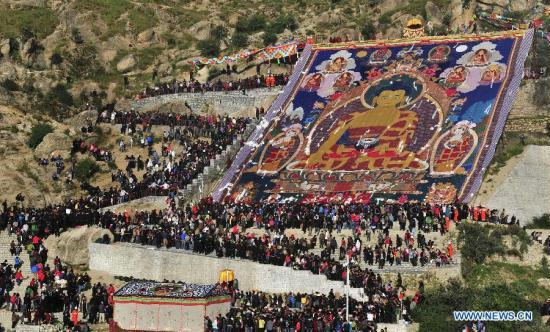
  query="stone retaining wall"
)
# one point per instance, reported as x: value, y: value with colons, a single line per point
x: 527, y: 125
x: 234, y: 103
x: 138, y: 261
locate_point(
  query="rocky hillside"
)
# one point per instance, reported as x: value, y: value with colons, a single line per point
x: 58, y: 55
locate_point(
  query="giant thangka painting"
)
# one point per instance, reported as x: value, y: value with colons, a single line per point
x: 408, y: 120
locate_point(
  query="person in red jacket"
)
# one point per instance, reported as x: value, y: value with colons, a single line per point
x: 74, y: 316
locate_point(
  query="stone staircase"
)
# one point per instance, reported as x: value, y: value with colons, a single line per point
x: 203, y: 184
x: 5, y: 240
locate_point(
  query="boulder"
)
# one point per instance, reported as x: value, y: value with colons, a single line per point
x: 54, y: 142
x: 146, y: 36
x: 433, y: 13
x: 201, y: 30
x: 72, y: 246
x: 108, y: 55
x: 126, y: 64
x: 82, y: 119
x: 164, y: 69
x: 5, y: 47
x: 8, y: 70
x: 544, y: 282
x: 43, y: 84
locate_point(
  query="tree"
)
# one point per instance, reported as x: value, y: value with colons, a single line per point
x: 38, y: 132
x: 269, y: 38
x: 283, y: 22
x: 10, y: 85
x: 209, y: 47
x: 76, y: 37
x: 368, y: 30
x: 85, y: 169
x: 56, y: 59
x: 541, y: 98
x: 256, y: 23
x: 61, y: 95
x: 239, y: 40
x: 477, y: 245
x: 219, y: 32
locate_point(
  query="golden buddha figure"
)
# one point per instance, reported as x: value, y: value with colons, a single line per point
x: 379, y: 134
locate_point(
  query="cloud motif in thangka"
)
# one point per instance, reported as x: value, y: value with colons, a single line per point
x: 338, y: 62
x: 477, y: 67
x: 333, y: 75
x: 294, y: 114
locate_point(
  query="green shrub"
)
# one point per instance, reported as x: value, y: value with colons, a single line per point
x: 385, y: 19
x: 239, y: 40
x: 541, y: 97
x: 76, y: 36
x: 60, y: 94
x: 37, y: 134
x: 219, y: 32
x: 85, y: 169
x: 540, y: 222
x: 368, y: 30
x: 30, y: 21
x: 10, y: 85
x: 209, y: 47
x: 489, y: 291
x: 477, y: 244
x: 282, y: 22
x: 142, y: 18
x: 269, y: 38
x: 256, y: 23
x: 544, y: 268
x: 56, y: 59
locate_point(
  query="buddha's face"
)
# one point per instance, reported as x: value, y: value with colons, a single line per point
x: 390, y: 98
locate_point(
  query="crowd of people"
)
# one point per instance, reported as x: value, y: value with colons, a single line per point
x: 538, y: 237
x: 259, y: 311
x: 188, y: 145
x: 253, y: 82
x: 51, y: 286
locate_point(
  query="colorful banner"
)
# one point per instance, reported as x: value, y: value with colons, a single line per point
x: 415, y: 119
x: 264, y: 54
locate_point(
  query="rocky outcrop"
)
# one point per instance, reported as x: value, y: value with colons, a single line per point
x: 5, y: 47
x: 82, y: 119
x: 54, y: 142
x: 72, y: 246
x: 126, y: 64
x: 146, y: 36
x: 434, y: 14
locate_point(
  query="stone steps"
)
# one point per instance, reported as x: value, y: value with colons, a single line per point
x: 5, y: 240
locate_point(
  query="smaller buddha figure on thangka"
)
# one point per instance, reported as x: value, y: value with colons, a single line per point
x: 313, y: 82
x: 439, y: 54
x: 280, y: 150
x: 441, y: 193
x: 456, y: 76
x: 337, y: 65
x: 492, y: 74
x: 453, y: 148
x: 380, y: 56
x: 410, y: 60
x: 480, y: 58
x: 343, y: 81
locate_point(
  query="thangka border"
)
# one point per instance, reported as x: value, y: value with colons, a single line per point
x: 496, y: 127
x: 258, y: 134
x: 472, y: 186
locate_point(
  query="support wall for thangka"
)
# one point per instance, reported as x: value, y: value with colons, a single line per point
x: 408, y: 119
